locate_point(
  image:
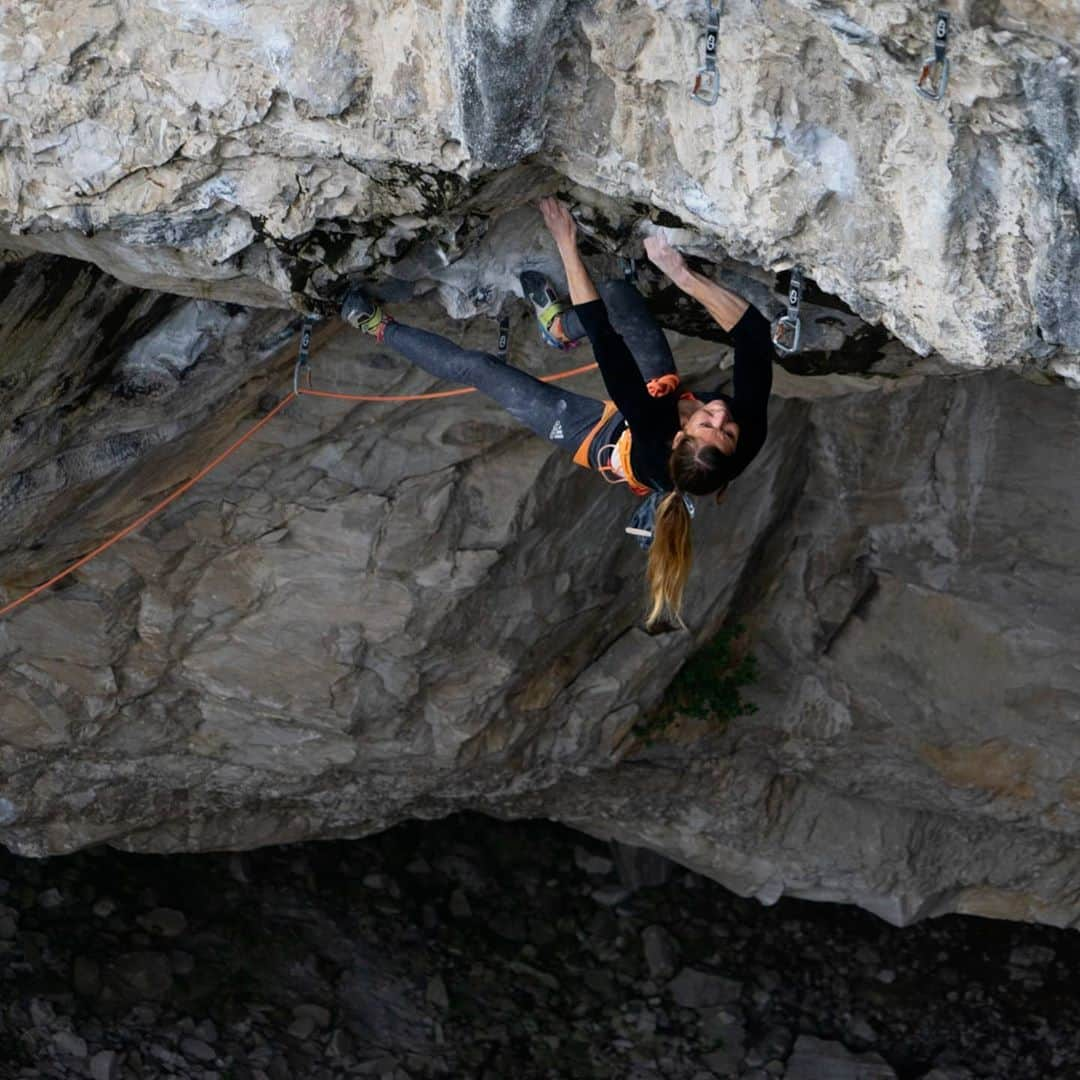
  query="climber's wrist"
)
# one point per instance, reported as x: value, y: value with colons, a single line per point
x: 683, y: 278
x: 567, y: 246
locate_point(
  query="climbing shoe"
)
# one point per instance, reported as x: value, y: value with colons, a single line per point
x: 359, y: 310
x: 549, y: 308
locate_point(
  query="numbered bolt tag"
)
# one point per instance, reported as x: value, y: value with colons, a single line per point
x: 794, y: 296
x: 711, y: 37
x: 934, y: 77
x: 305, y: 338
x: 941, y: 35
x: 504, y: 335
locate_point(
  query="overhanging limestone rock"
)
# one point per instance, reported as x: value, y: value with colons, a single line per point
x: 372, y: 618
x: 373, y: 615
x: 252, y: 153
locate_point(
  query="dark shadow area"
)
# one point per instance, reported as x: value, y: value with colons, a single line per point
x: 470, y: 947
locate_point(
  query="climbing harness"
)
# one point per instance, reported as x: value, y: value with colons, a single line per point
x: 657, y: 387
x: 504, y: 338
x: 303, y: 364
x: 621, y: 449
x: 934, y: 76
x: 643, y: 523
x: 788, y: 328
x: 707, y: 80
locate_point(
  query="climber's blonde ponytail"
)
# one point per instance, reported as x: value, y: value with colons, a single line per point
x: 669, y: 560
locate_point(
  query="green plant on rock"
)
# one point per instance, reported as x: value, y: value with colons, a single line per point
x: 706, y: 688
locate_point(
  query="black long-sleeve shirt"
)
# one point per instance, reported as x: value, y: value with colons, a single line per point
x: 654, y: 421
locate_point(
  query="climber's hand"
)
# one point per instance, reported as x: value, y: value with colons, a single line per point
x: 560, y: 224
x: 663, y: 256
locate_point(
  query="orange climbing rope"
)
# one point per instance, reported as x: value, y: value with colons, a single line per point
x: 188, y: 484
x: 434, y: 395
x: 153, y: 510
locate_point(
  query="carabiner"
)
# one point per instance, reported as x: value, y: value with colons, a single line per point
x: 786, y: 335
x: 706, y: 86
x: 933, y: 92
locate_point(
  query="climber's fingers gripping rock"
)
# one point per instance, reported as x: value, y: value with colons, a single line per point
x: 559, y: 221
x: 664, y: 257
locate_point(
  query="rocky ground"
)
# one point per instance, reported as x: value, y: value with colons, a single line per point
x: 472, y: 948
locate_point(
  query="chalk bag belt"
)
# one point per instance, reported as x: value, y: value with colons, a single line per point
x: 303, y: 362
x: 707, y: 80
x: 934, y: 76
x: 788, y: 329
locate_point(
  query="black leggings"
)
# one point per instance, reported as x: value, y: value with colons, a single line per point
x: 558, y: 415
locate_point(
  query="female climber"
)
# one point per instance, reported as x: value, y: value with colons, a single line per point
x: 660, y: 444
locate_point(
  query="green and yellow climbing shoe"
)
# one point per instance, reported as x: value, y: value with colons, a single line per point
x: 549, y: 308
x: 359, y: 310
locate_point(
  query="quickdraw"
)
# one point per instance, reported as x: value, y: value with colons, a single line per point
x: 788, y: 328
x: 629, y: 269
x: 929, y: 87
x: 707, y: 80
x: 504, y: 337
x: 303, y: 359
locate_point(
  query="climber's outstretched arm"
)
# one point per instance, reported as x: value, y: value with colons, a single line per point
x: 722, y: 304
x: 620, y: 372
x: 563, y: 230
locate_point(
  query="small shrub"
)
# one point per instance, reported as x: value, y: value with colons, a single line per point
x: 706, y: 688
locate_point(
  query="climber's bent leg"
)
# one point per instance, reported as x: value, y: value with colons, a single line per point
x: 631, y: 318
x: 554, y: 414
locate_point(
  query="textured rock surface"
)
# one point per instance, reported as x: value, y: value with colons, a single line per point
x: 252, y: 151
x: 377, y: 612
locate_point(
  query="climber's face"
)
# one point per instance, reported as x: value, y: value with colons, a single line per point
x: 713, y: 425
